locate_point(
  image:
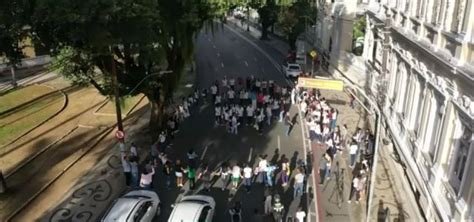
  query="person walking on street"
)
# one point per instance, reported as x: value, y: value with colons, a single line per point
x: 262, y: 169
x: 285, y: 172
x: 269, y: 174
x: 147, y: 178
x: 135, y: 176
x: 191, y: 174
x: 288, y: 124
x: 224, y: 171
x: 247, y: 177
x: 167, y: 173
x: 127, y: 168
x: 178, y: 171
x: 299, y: 183
x: 191, y: 155
x: 206, y: 178
x: 300, y: 215
x: 236, y: 175
x: 268, y: 204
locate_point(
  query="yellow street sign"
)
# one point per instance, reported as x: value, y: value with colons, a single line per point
x: 321, y: 83
x: 313, y: 54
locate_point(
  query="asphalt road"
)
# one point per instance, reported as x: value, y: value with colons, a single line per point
x: 219, y: 53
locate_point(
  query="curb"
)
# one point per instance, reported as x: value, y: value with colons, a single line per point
x: 66, y: 101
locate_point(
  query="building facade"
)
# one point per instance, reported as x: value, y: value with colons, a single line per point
x: 419, y: 58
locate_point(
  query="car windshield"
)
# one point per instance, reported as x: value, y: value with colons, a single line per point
x: 294, y: 67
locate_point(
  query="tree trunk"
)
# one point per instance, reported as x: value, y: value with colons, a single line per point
x: 155, y: 114
x: 264, y: 31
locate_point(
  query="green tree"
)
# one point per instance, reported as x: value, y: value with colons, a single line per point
x: 13, y: 30
x: 293, y: 18
x: 358, y: 34
x: 139, y: 38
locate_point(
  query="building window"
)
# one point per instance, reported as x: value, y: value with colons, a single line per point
x: 434, y: 11
x: 435, y: 130
x: 462, y: 140
x: 423, y: 120
x: 416, y: 110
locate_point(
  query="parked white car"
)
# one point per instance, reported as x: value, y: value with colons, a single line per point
x: 137, y: 205
x: 195, y: 208
x: 292, y: 70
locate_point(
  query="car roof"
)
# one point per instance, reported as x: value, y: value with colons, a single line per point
x: 293, y: 64
x: 122, y: 208
x: 186, y: 211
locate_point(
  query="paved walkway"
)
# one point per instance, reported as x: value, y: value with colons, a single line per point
x: 332, y: 198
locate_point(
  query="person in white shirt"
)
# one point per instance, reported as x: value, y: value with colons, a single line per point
x: 353, y: 149
x: 262, y: 169
x: 127, y: 168
x: 231, y: 96
x: 240, y: 114
x: 218, y: 114
x: 299, y: 183
x: 236, y: 175
x: 224, y: 82
x: 260, y: 120
x: 133, y: 150
x: 242, y: 97
x: 147, y: 178
x: 234, y: 125
x: 232, y: 83
x: 269, y: 115
x: 300, y: 214
x: 268, y: 204
x: 218, y: 99
x: 250, y: 112
x: 304, y: 108
x: 247, y: 177
x: 214, y: 92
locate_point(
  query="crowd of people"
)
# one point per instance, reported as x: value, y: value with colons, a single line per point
x: 257, y: 103
x: 321, y: 120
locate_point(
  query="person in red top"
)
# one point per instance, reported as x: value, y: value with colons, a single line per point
x: 260, y: 99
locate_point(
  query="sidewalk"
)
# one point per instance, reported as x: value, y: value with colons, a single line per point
x: 388, y: 188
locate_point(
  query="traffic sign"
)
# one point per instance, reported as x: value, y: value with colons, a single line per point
x: 313, y: 54
x: 119, y: 135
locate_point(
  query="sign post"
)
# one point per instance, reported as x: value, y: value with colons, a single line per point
x: 313, y: 55
x: 120, y: 135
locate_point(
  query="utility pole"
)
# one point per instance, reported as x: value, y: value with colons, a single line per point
x: 118, y: 109
x: 248, y: 17
x: 12, y: 70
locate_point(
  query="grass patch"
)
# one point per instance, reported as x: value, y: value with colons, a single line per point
x: 22, y: 95
x: 126, y: 103
x: 13, y: 125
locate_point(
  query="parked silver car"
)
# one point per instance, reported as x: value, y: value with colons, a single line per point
x: 137, y: 205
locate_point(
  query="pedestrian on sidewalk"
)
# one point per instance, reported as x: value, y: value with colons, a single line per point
x: 353, y: 150
x: 133, y: 150
x: 178, y: 171
x: 127, y: 168
x: 323, y: 165
x: 300, y: 215
x: 247, y: 177
x: 293, y: 96
x: 299, y: 183
x: 191, y: 176
x: 358, y: 184
x: 288, y: 124
x: 147, y: 178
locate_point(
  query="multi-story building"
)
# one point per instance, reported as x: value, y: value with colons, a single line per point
x: 419, y: 57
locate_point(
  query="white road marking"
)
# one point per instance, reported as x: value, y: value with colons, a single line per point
x: 214, y: 46
x: 246, y: 64
x: 222, y: 64
x: 218, y: 55
x: 250, y: 155
x: 204, y: 153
